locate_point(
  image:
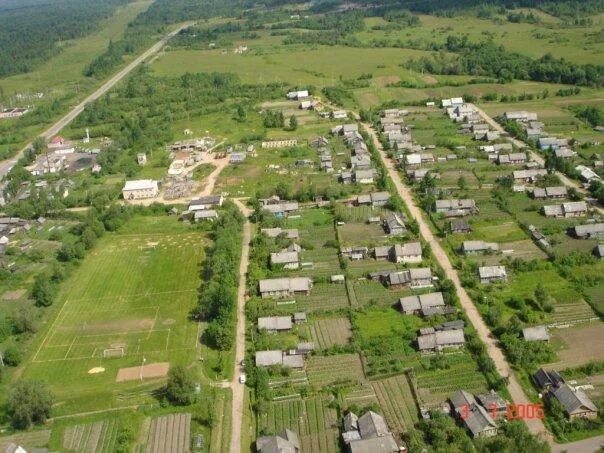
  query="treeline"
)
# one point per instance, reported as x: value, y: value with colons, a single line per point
x: 31, y: 33
x: 217, y: 301
x: 489, y: 59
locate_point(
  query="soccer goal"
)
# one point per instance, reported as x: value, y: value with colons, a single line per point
x: 113, y: 352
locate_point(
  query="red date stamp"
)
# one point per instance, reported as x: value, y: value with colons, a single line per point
x: 512, y: 411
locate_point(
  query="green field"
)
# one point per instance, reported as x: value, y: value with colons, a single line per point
x: 132, y: 294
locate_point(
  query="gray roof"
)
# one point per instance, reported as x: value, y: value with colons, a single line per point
x: 491, y: 400
x: 492, y: 272
x: 594, y: 228
x: 421, y: 302
x: 382, y: 251
x: 478, y: 246
x: 372, y: 425
x: 275, y: 323
x: 454, y: 203
x: 380, y: 196
x: 207, y: 200
x: 525, y: 174
x: 284, y: 257
x: 286, y: 206
x: 351, y: 421
x: 574, y: 206
x: 274, y: 232
x: 408, y: 249
x: 441, y: 338
x: 206, y: 214
x: 286, y: 442
x: 293, y: 361
x: 537, y: 333
x: 573, y: 401
x: 553, y: 210
x: 285, y: 284
x: 385, y: 444
x: 267, y: 358
x: 461, y: 399
x: 364, y: 174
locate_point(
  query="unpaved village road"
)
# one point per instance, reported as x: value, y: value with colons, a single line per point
x: 534, y: 156
x: 6, y: 165
x: 236, y: 386
x: 518, y: 396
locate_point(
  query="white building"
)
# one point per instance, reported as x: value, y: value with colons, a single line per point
x: 141, y: 188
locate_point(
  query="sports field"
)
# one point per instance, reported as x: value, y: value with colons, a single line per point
x: 127, y: 302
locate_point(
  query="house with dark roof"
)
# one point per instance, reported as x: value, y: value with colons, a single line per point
x: 368, y: 434
x: 576, y: 403
x: 285, y: 442
x: 547, y: 380
x: 417, y: 277
x: 460, y: 226
x: 589, y: 231
x: 472, y: 415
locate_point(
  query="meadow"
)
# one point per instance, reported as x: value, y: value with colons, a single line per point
x: 127, y: 303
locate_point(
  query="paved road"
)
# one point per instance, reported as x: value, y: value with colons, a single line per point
x: 503, y: 367
x: 6, y: 165
x: 237, y: 388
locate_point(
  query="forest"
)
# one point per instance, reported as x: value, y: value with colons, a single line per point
x: 32, y: 31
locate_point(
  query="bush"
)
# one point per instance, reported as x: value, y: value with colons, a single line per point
x: 180, y: 388
x: 12, y: 355
x: 28, y: 403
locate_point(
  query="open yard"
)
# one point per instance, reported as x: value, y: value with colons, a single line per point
x: 128, y: 302
x: 578, y: 345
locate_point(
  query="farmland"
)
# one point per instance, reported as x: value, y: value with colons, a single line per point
x: 396, y: 397
x: 151, y: 264
x: 328, y: 332
x: 315, y: 423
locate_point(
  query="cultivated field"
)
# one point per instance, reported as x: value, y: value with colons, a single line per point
x: 325, y: 370
x: 169, y: 433
x: 397, y: 402
x: 331, y: 331
x: 96, y: 437
x: 315, y: 423
x: 461, y: 373
x: 578, y: 345
x: 127, y: 302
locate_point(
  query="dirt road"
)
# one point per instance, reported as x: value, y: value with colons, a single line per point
x: 503, y: 367
x: 534, y: 156
x: 591, y: 445
x: 6, y: 165
x: 238, y: 388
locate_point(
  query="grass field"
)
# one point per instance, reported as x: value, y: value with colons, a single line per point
x: 571, y: 345
x: 64, y: 72
x: 133, y: 294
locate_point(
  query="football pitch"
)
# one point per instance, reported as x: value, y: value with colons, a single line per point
x: 127, y: 303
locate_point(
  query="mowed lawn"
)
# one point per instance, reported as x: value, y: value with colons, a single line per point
x: 133, y: 293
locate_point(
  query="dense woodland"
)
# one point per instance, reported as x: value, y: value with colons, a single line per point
x: 34, y: 30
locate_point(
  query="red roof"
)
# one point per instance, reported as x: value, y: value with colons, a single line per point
x: 57, y: 140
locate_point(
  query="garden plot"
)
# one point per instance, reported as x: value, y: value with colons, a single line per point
x: 361, y: 396
x: 325, y: 370
x: 460, y: 373
x: 323, y: 296
x: 361, y: 234
x: 573, y: 345
x: 315, y: 423
x: 170, y: 433
x: 26, y: 439
x: 96, y: 437
x: 368, y: 292
x: 396, y: 400
x: 330, y: 332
